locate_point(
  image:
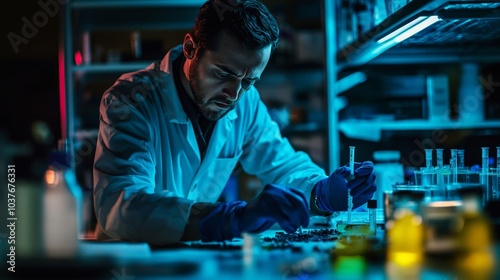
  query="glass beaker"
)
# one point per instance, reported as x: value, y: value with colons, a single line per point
x: 425, y: 176
x: 431, y: 192
x: 468, y: 176
x: 491, y: 182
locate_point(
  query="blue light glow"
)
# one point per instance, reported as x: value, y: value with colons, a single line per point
x: 409, y: 29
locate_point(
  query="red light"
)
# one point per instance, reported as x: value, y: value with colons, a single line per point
x: 78, y: 58
x: 62, y: 94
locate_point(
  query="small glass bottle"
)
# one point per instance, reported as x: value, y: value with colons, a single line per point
x: 475, y: 239
x: 405, y: 232
x: 372, y: 215
x: 476, y: 232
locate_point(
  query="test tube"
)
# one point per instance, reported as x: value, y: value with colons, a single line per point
x: 351, y: 159
x: 454, y: 155
x: 461, y: 158
x: 439, y: 158
x: 454, y: 164
x: 498, y: 161
x: 349, y: 197
x: 497, y: 190
x: 440, y: 173
x: 428, y: 158
x: 454, y: 176
x: 484, y: 174
x: 485, y: 156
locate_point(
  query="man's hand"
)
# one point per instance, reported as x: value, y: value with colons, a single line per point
x: 275, y: 204
x: 331, y: 192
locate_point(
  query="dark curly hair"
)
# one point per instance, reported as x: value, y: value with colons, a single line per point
x: 248, y: 20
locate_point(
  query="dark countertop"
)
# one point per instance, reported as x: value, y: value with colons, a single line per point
x: 248, y: 258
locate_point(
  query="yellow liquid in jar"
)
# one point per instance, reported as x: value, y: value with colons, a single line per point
x: 405, y: 237
x: 476, y: 260
x: 476, y: 233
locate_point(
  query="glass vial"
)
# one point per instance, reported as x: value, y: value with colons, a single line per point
x: 372, y: 215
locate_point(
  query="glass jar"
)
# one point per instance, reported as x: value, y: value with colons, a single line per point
x: 442, y: 223
x: 405, y: 231
x: 475, y: 258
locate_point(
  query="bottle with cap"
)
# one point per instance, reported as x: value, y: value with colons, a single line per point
x: 372, y: 215
x: 61, y: 208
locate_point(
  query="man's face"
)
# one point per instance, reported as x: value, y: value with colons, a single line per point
x: 218, y: 78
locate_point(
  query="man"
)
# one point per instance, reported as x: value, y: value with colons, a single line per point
x: 170, y: 136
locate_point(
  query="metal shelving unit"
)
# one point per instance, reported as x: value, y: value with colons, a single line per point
x: 462, y: 28
x: 82, y: 17
x: 372, y: 130
x: 110, y: 67
x: 463, y: 31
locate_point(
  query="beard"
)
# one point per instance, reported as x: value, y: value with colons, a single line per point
x: 202, y: 104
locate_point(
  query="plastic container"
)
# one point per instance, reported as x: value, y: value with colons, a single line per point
x: 62, y: 206
x: 389, y: 171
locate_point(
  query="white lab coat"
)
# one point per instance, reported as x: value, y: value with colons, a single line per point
x: 147, y: 169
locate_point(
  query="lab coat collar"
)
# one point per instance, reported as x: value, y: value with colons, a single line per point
x: 175, y: 112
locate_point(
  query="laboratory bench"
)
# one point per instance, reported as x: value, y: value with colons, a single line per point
x: 326, y: 254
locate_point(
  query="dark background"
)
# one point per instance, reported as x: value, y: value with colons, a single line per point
x: 29, y: 89
x: 29, y: 94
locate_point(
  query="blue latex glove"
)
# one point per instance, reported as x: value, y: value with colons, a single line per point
x: 332, y: 191
x: 275, y: 204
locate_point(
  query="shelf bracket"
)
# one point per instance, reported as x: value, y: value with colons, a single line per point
x: 350, y: 81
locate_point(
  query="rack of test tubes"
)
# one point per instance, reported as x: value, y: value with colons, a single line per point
x: 441, y: 181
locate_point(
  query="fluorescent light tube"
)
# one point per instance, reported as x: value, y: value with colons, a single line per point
x: 409, y: 29
x: 417, y: 28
